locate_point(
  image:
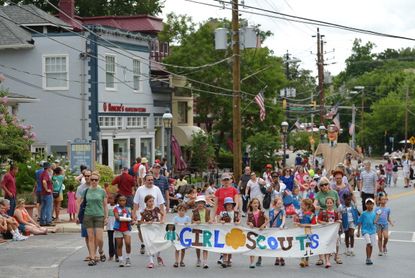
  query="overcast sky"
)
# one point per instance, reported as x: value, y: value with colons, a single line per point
x: 386, y: 16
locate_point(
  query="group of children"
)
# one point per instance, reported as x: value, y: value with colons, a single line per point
x: 371, y: 222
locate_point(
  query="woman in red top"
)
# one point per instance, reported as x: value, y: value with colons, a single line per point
x: 227, y: 190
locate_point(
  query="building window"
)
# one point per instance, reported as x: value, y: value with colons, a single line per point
x: 110, y: 72
x: 39, y: 150
x: 134, y: 122
x: 55, y: 72
x: 158, y: 121
x: 182, y: 109
x: 110, y: 122
x: 137, y: 122
x: 136, y: 74
x: 145, y: 122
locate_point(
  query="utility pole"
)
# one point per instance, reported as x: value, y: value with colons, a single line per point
x: 236, y: 109
x: 362, y: 128
x: 287, y: 75
x: 354, y: 126
x: 320, y: 68
x: 406, y: 117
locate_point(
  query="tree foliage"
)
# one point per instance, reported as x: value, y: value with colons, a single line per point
x: 203, y: 151
x: 15, y: 137
x: 301, y: 140
x: 264, y: 146
x: 100, y: 7
x: 197, y: 48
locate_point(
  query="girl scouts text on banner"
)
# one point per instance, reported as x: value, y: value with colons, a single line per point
x: 232, y: 239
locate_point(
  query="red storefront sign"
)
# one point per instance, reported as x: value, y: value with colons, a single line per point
x: 108, y: 107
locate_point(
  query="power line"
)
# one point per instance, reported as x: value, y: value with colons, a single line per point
x: 304, y: 20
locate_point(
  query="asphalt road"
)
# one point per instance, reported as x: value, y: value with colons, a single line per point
x: 60, y: 255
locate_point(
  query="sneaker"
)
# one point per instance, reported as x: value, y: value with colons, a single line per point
x: 142, y: 249
x: 220, y: 261
x: 259, y: 262
x: 127, y: 262
x: 252, y: 265
x: 380, y: 253
x: 121, y: 263
x: 205, y: 266
x: 243, y: 214
x: 117, y: 260
x: 347, y: 253
x: 352, y: 254
x: 369, y: 262
x: 224, y: 265
x: 198, y: 263
x: 385, y: 251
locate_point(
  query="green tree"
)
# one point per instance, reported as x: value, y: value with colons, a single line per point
x: 176, y: 28
x: 264, y: 146
x: 100, y: 7
x: 15, y: 137
x: 197, y: 48
x: 301, y: 140
x: 203, y: 152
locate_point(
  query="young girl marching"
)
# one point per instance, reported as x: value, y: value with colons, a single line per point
x: 201, y: 215
x: 382, y: 220
x: 229, y: 215
x: 329, y: 216
x: 256, y: 219
x: 182, y: 219
x: 152, y: 214
x: 306, y: 218
x: 277, y: 220
x: 350, y: 216
x: 122, y: 230
x: 110, y: 227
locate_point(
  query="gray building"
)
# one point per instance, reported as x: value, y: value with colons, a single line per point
x: 92, y: 84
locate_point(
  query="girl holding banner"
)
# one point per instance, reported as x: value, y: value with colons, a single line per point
x: 256, y: 219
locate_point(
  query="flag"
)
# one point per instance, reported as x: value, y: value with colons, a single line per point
x: 351, y: 129
x: 259, y: 99
x: 333, y: 111
x: 336, y: 121
x: 297, y: 124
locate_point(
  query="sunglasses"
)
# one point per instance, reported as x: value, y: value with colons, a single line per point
x: 324, y: 184
x: 150, y: 180
x: 274, y: 177
x: 87, y: 176
x: 226, y: 179
x: 94, y: 179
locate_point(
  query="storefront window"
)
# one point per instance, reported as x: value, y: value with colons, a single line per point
x: 121, y: 158
x: 146, y: 148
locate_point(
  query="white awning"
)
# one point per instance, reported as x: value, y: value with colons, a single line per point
x: 184, y: 134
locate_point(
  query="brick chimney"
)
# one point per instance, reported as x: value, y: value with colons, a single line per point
x: 68, y: 8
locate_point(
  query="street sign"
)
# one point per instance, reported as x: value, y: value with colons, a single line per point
x: 296, y: 108
x: 81, y: 152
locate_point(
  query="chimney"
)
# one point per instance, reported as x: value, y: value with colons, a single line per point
x: 67, y: 8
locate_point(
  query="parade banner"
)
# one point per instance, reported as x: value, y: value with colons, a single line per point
x: 236, y: 239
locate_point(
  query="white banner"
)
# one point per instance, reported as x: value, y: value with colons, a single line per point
x: 235, y: 239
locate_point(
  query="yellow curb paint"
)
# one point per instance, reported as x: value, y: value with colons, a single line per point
x: 402, y: 194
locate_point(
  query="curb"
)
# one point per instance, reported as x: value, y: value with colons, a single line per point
x: 64, y: 228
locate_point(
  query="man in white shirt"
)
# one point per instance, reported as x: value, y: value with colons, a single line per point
x: 142, y: 171
x: 139, y: 205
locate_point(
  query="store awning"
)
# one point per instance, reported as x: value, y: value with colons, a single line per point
x: 184, y: 134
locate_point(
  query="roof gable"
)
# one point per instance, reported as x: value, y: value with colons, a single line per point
x: 12, y: 35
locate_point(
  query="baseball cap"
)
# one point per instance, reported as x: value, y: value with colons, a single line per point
x: 155, y: 165
x: 200, y: 198
x: 225, y: 176
x: 268, y: 166
x: 125, y: 168
x: 369, y: 200
x: 46, y: 165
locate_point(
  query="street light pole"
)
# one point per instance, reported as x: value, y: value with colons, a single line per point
x: 167, y: 124
x: 284, y: 129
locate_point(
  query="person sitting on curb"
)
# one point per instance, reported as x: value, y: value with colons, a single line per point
x: 12, y: 225
x: 26, y: 223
